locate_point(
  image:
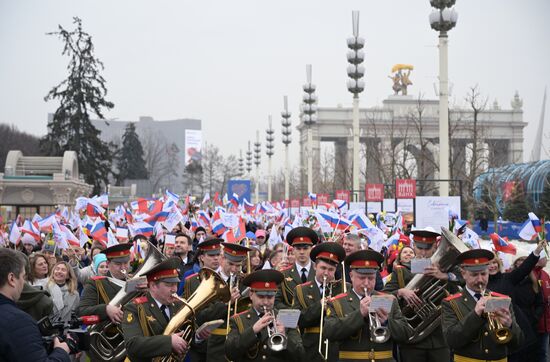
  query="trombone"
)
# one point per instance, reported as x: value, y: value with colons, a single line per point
x: 378, y: 332
x: 232, y: 281
x: 323, y: 308
x: 275, y: 341
x: 500, y: 333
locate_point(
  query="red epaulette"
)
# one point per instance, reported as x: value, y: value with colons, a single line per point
x: 339, y: 296
x: 495, y: 294
x: 454, y: 296
x: 243, y: 312
x: 98, y: 277
x: 140, y: 300
x: 288, y: 267
x: 191, y: 276
x: 306, y: 284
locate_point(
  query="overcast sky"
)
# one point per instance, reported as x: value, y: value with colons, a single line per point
x: 229, y: 63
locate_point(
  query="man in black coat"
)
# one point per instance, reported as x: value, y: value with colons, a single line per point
x: 20, y: 338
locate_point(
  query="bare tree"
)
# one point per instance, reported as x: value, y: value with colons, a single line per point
x: 476, y: 157
x: 212, y: 162
x: 160, y: 158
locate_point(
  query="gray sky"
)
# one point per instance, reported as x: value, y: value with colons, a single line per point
x: 229, y: 63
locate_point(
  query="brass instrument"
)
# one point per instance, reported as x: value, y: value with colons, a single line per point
x: 324, y: 295
x: 232, y: 281
x: 499, y: 333
x: 212, y: 287
x: 275, y: 341
x: 426, y: 317
x: 378, y: 332
x: 106, y: 338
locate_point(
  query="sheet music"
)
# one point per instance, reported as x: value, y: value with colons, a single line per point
x: 289, y: 317
x: 380, y: 302
x: 419, y: 265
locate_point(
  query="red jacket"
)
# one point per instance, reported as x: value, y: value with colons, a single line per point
x: 544, y: 282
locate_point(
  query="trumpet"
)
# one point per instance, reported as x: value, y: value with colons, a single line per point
x: 499, y: 333
x: 378, y: 333
x: 275, y: 341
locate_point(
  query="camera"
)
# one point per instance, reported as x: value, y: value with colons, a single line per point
x: 73, y: 332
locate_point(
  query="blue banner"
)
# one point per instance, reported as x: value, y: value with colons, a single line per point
x: 240, y: 187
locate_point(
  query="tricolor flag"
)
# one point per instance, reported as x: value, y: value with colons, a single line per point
x: 46, y: 223
x: 502, y: 245
x: 249, y: 207
x: 170, y: 196
x: 204, y: 219
x: 361, y: 221
x: 339, y: 204
x: 31, y: 229
x: 312, y: 196
x: 206, y: 198
x: 141, y: 227
x: 218, y: 226
x: 15, y: 234
x: 59, y: 237
x: 99, y: 231
x: 530, y: 228
x: 234, y: 200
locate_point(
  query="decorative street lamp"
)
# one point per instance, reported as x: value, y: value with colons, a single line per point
x: 257, y: 160
x: 309, y: 117
x: 249, y: 159
x: 442, y: 20
x: 287, y: 139
x: 241, y: 164
x: 355, y: 85
x: 270, y: 137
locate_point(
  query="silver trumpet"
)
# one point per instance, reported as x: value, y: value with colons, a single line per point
x: 275, y: 341
x: 378, y: 332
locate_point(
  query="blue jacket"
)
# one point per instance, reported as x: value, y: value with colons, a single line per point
x: 196, y: 268
x: 20, y: 338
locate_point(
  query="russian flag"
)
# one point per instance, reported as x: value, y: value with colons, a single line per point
x: 331, y: 218
x: 536, y: 222
x: 502, y: 245
x: 71, y: 239
x: 141, y: 227
x: 248, y: 206
x: 312, y: 196
x: 393, y: 241
x: 204, y: 219
x: 361, y: 221
x: 234, y: 200
x: 217, y: 224
x: 15, y: 234
x: 99, y: 232
x: 172, y: 196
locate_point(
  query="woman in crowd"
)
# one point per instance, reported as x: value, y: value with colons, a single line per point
x: 62, y: 285
x: 405, y: 256
x: 39, y: 269
x: 100, y: 265
x: 543, y: 324
x: 256, y: 262
x: 528, y: 301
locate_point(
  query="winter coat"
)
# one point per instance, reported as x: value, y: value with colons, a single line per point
x: 20, y: 338
x: 64, y: 303
x: 36, y: 302
x: 504, y: 283
x: 544, y: 283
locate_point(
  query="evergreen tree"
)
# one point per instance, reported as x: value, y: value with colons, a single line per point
x: 131, y: 164
x: 82, y: 93
x: 516, y: 208
x: 544, y: 203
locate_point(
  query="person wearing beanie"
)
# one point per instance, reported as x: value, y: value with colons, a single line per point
x: 100, y: 265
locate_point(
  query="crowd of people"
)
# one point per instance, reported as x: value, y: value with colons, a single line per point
x: 331, y: 277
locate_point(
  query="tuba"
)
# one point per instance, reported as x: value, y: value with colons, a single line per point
x: 106, y: 338
x: 426, y: 317
x: 212, y: 287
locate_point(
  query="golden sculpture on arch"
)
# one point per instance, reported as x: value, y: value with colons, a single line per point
x: 400, y: 78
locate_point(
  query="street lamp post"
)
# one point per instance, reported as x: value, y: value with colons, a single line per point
x: 270, y: 138
x: 249, y: 159
x: 241, y: 163
x: 257, y: 159
x: 287, y: 139
x: 355, y: 85
x: 442, y: 20
x: 309, y: 110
